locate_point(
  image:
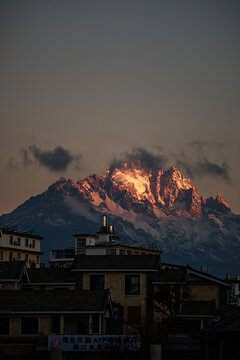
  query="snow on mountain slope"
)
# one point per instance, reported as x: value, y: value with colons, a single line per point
x: 153, y: 208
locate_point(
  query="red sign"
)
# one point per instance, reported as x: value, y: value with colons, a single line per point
x: 56, y: 342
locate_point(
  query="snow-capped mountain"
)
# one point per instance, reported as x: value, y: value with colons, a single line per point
x: 151, y: 208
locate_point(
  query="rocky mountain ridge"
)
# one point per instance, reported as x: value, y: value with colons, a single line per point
x: 148, y: 207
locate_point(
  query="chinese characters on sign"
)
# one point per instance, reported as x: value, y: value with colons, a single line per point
x: 95, y: 342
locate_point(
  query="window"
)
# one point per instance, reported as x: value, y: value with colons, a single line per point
x: 29, y: 326
x: 132, y: 284
x: 1, y: 286
x: 121, y: 252
x: 37, y: 260
x: 26, y: 258
x: 1, y: 255
x: 129, y: 252
x: 26, y: 242
x: 10, y: 240
x: 18, y: 257
x: 81, y: 243
x: 18, y: 241
x: 96, y: 282
x: 10, y: 256
x: 134, y: 315
x: 56, y: 324
x: 4, y: 326
x: 111, y: 252
x: 95, y: 323
x: 33, y: 243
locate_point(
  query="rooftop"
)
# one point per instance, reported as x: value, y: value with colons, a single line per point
x: 63, y: 301
x: 116, y: 263
x: 50, y: 276
x: 23, y: 234
x: 11, y: 270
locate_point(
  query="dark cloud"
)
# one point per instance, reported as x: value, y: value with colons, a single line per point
x: 140, y: 157
x: 25, y: 157
x: 55, y: 160
x: 12, y: 164
x: 196, y: 163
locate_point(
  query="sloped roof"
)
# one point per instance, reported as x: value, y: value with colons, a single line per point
x: 50, y: 276
x: 170, y: 276
x: 11, y: 270
x: 195, y: 308
x: 116, y: 263
x: 42, y: 301
x: 229, y: 324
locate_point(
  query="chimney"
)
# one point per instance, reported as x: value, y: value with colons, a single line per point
x: 111, y: 229
x: 228, y: 276
x: 204, y: 269
x: 103, y: 223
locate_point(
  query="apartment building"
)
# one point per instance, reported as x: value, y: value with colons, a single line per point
x: 17, y: 246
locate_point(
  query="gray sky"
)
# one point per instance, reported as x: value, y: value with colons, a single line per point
x: 82, y: 82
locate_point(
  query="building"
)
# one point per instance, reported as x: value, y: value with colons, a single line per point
x: 104, y: 242
x: 61, y: 258
x: 126, y: 277
x: 221, y: 340
x: 234, y: 294
x: 17, y: 246
x: 186, y: 301
x: 28, y: 321
x: 12, y: 275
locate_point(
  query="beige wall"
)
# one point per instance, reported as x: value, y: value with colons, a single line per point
x: 204, y: 292
x: 115, y: 282
x: 19, y: 251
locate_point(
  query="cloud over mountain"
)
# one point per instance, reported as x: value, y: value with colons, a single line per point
x: 147, y: 159
x: 55, y: 160
x: 195, y: 160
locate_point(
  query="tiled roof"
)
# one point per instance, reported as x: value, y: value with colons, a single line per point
x: 48, y: 276
x: 11, y: 270
x: 170, y: 276
x: 116, y: 262
x: 52, y: 300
